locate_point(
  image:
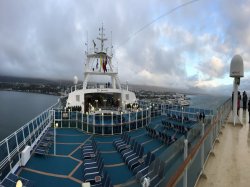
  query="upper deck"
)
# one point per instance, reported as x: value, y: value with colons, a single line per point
x: 66, y: 149
x: 230, y: 164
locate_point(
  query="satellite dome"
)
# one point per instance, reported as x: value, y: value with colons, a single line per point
x: 237, y: 67
x: 75, y: 79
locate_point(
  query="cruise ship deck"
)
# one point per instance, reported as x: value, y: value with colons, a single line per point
x: 65, y: 168
x: 179, y: 142
x: 229, y: 166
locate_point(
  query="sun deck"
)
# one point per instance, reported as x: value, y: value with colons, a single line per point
x: 229, y: 166
x: 173, y: 135
x: 65, y: 168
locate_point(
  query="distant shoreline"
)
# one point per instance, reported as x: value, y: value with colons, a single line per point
x: 31, y: 91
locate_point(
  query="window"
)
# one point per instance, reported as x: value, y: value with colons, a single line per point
x: 78, y: 98
x: 127, y: 96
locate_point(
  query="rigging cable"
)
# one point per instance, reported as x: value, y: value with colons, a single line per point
x: 156, y: 19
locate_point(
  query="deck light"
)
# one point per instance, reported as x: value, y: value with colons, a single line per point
x: 19, y: 183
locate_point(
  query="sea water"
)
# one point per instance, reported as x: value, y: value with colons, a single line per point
x: 18, y: 108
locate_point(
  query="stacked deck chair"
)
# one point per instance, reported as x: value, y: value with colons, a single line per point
x: 12, y: 179
x: 152, y: 168
x: 45, y: 144
x: 89, y: 150
x: 129, y: 148
x: 105, y: 181
x: 123, y: 143
x: 136, y: 160
x: 144, y: 164
x: 157, y: 175
x: 151, y: 132
x: 132, y: 155
x: 92, y: 163
x: 119, y: 139
x: 94, y: 172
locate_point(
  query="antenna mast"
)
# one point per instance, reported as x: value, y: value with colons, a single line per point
x: 111, y: 44
x: 101, y: 38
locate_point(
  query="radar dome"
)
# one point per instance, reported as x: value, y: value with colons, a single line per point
x: 75, y: 79
x: 236, y: 67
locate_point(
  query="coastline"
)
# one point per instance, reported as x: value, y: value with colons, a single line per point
x: 34, y: 91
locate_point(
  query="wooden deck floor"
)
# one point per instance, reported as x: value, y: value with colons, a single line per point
x: 230, y: 166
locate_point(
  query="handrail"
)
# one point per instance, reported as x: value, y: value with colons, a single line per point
x: 8, y: 137
x: 173, y: 180
x: 27, y: 134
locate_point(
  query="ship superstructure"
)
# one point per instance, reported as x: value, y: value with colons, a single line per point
x: 94, y: 97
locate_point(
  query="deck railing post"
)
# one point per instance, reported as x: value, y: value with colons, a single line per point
x: 129, y: 121
x: 69, y: 118
x: 9, y: 157
x: 142, y: 118
x: 61, y: 118
x: 34, y: 130
x: 112, y: 121
x: 87, y: 122
x: 93, y: 124
x: 136, y: 119
x: 18, y: 149
x: 102, y: 124
x: 29, y: 134
x: 82, y: 121
x: 55, y: 126
x: 202, y: 149
x: 185, y: 156
x: 24, y: 139
x: 212, y: 134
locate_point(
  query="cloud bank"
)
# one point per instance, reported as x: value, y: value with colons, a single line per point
x: 189, y: 48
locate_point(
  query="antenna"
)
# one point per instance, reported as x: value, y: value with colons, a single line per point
x: 101, y: 38
x: 87, y: 43
x: 111, y: 46
x: 236, y: 72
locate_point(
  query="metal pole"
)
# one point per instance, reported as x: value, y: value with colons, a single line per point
x: 102, y: 125
x: 55, y: 126
x: 129, y: 121
x: 235, y: 101
x: 87, y: 122
x: 54, y: 139
x: 112, y: 121
x: 136, y: 119
x: 185, y: 156
x: 182, y: 115
x: 202, y: 148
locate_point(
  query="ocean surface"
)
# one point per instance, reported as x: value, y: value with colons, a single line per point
x: 207, y: 101
x: 18, y: 108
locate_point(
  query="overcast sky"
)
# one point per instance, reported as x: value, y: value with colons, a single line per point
x: 189, y: 48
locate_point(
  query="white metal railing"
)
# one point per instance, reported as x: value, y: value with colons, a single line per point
x: 27, y: 134
x: 198, y: 144
x: 88, y: 122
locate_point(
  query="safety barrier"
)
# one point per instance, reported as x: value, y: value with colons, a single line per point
x: 12, y: 146
x: 185, y: 159
x: 103, y: 124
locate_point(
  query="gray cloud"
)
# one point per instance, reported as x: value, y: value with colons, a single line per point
x: 46, y: 38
